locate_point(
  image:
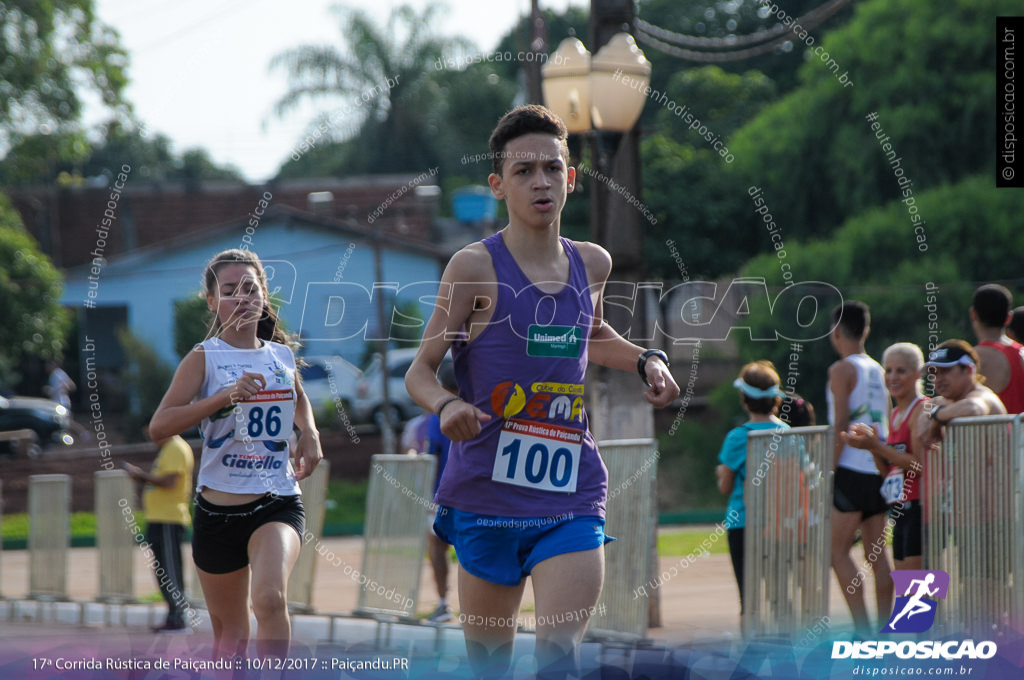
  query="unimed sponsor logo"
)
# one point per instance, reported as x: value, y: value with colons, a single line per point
x: 908, y: 649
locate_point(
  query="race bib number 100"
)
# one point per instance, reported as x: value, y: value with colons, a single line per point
x: 538, y: 456
x: 266, y: 416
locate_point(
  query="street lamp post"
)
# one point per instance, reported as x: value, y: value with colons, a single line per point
x: 601, y: 98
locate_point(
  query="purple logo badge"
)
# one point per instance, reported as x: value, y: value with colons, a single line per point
x: 914, y: 611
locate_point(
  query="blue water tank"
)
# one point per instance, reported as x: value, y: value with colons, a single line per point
x: 474, y: 204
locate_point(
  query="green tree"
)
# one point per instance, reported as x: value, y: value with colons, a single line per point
x: 191, y: 323
x: 875, y: 257
x: 32, y: 322
x: 677, y: 157
x: 473, y: 99
x: 54, y: 55
x: 69, y: 158
x: 704, y: 19
x: 146, y: 378
x: 814, y: 152
x: 575, y: 21
x: 385, y: 80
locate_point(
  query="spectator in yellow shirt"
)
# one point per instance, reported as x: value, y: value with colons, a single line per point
x: 165, y: 502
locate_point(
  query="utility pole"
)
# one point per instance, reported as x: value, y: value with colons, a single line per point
x: 538, y: 46
x: 617, y: 408
x: 386, y: 426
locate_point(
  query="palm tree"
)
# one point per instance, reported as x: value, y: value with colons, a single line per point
x: 385, y: 81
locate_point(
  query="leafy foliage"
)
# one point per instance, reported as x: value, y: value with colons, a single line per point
x: 52, y: 53
x: 686, y: 181
x: 68, y: 157
x: 146, y: 378
x: 816, y: 156
x: 192, y: 320
x: 707, y: 19
x: 30, y: 288
x: 385, y: 82
x: 875, y: 258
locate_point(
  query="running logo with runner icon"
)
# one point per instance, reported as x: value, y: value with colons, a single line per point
x: 914, y: 611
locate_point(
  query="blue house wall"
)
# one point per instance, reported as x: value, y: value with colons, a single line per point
x: 306, y: 264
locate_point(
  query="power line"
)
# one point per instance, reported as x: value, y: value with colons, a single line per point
x: 710, y: 43
x: 668, y: 42
x: 692, y: 55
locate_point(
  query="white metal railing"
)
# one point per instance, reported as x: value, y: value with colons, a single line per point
x: 787, y: 539
x: 314, y: 502
x: 973, y: 523
x: 398, y: 506
x: 631, y: 517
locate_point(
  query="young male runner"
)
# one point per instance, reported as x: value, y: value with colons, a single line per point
x: 522, y: 313
x: 1001, y: 360
x: 857, y: 394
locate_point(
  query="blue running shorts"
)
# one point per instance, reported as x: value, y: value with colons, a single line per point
x: 503, y: 550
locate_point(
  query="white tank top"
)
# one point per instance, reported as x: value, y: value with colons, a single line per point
x: 869, y: 404
x: 245, y: 446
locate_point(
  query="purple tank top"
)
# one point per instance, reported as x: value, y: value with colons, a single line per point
x: 536, y: 456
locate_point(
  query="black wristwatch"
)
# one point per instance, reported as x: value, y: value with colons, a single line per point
x: 935, y: 413
x: 641, y: 363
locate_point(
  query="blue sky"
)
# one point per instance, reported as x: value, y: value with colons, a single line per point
x: 199, y: 68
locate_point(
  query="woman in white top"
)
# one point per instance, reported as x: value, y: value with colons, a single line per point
x: 240, y: 387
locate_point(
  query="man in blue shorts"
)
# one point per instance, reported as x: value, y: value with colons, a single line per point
x: 524, y: 489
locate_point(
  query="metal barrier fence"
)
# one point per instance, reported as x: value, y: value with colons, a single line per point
x: 398, y: 510
x: 49, y: 535
x: 787, y: 539
x: 314, y: 501
x: 115, y: 542
x: 632, y: 518
x: 974, y: 523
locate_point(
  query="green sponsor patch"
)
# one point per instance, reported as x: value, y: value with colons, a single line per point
x: 553, y: 341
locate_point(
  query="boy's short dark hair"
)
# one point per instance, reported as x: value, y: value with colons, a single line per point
x: 853, y: 318
x: 992, y: 304
x: 525, y: 120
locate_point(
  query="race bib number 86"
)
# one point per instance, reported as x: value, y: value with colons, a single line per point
x: 267, y: 416
x: 538, y: 456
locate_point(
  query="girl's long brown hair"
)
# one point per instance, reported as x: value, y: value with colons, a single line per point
x: 268, y: 327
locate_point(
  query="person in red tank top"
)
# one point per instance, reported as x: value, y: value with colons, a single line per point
x: 1002, y: 359
x: 900, y: 458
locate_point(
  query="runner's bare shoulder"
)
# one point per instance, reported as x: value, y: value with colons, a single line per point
x: 993, y: 402
x: 596, y: 259
x: 471, y: 264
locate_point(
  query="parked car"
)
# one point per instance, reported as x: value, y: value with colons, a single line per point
x: 328, y: 378
x: 368, y: 404
x: 48, y: 419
